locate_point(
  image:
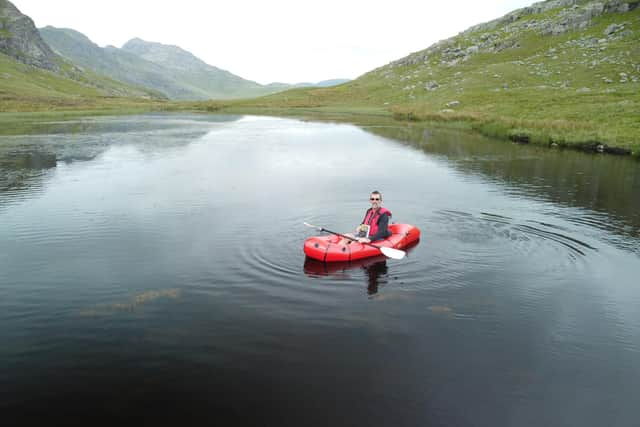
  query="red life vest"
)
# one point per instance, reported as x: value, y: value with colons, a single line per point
x: 372, y: 217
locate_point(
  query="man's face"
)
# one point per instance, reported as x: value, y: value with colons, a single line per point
x: 375, y: 200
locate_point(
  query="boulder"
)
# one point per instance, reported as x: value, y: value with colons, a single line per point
x: 613, y: 28
x: 432, y: 85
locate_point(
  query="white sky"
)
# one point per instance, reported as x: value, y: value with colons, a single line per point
x: 275, y: 40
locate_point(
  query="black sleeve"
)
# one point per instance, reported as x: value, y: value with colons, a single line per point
x: 383, y: 231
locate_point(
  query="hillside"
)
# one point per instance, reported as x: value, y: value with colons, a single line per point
x: 28, y: 88
x: 170, y: 70
x: 204, y: 81
x: 139, y: 69
x: 560, y: 72
x: 115, y: 63
x: 32, y: 74
x: 20, y: 39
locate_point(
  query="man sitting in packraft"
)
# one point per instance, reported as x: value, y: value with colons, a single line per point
x: 375, y: 224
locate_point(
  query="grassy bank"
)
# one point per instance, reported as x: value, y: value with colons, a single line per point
x: 524, y: 78
x: 607, y: 126
x: 621, y: 138
x: 578, y: 89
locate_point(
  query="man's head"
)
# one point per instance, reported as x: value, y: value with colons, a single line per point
x: 376, y: 199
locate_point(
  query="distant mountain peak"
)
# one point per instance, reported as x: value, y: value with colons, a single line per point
x: 169, y: 69
x: 164, y: 54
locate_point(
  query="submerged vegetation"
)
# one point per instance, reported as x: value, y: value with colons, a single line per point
x: 133, y: 303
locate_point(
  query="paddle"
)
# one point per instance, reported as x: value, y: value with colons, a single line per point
x: 388, y: 252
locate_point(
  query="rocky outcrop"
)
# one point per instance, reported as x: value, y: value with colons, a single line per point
x: 504, y: 33
x: 20, y: 39
x: 574, y: 14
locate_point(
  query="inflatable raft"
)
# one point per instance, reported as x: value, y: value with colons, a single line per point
x: 327, y: 249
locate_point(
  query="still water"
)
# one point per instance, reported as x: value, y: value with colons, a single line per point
x: 151, y: 272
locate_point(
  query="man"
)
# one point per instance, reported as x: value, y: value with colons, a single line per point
x: 375, y: 224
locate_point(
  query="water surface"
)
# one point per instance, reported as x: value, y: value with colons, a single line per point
x: 151, y: 271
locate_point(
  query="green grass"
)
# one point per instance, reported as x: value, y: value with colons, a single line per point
x: 533, y: 90
x: 529, y: 90
x: 26, y: 88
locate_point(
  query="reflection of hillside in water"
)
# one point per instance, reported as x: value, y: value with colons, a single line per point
x: 22, y: 174
x: 604, y: 184
x: 27, y: 125
x: 25, y: 159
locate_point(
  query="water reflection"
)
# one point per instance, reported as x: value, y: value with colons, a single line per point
x: 605, y: 186
x: 34, y: 160
x: 25, y: 159
x: 38, y: 124
x: 375, y: 273
x: 22, y: 172
x: 375, y: 268
x: 173, y: 264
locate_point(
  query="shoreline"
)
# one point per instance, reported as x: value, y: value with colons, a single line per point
x: 18, y: 122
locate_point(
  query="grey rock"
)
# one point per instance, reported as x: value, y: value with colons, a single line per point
x: 618, y: 6
x: 453, y: 104
x: 20, y: 39
x: 432, y: 85
x: 583, y: 90
x: 613, y: 28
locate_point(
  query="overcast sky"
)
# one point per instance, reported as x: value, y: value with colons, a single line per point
x: 275, y: 40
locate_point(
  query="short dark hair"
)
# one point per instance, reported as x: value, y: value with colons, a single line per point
x: 378, y: 193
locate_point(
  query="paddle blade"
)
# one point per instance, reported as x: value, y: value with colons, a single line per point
x: 393, y: 253
x: 312, y: 226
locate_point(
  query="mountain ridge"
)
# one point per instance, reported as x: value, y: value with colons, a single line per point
x: 30, y: 71
x: 169, y: 69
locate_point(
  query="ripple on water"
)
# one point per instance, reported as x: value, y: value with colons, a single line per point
x: 493, y: 242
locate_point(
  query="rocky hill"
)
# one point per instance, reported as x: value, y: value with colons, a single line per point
x: 559, y: 72
x: 202, y: 80
x: 171, y: 70
x: 115, y: 63
x: 30, y: 72
x: 20, y: 39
